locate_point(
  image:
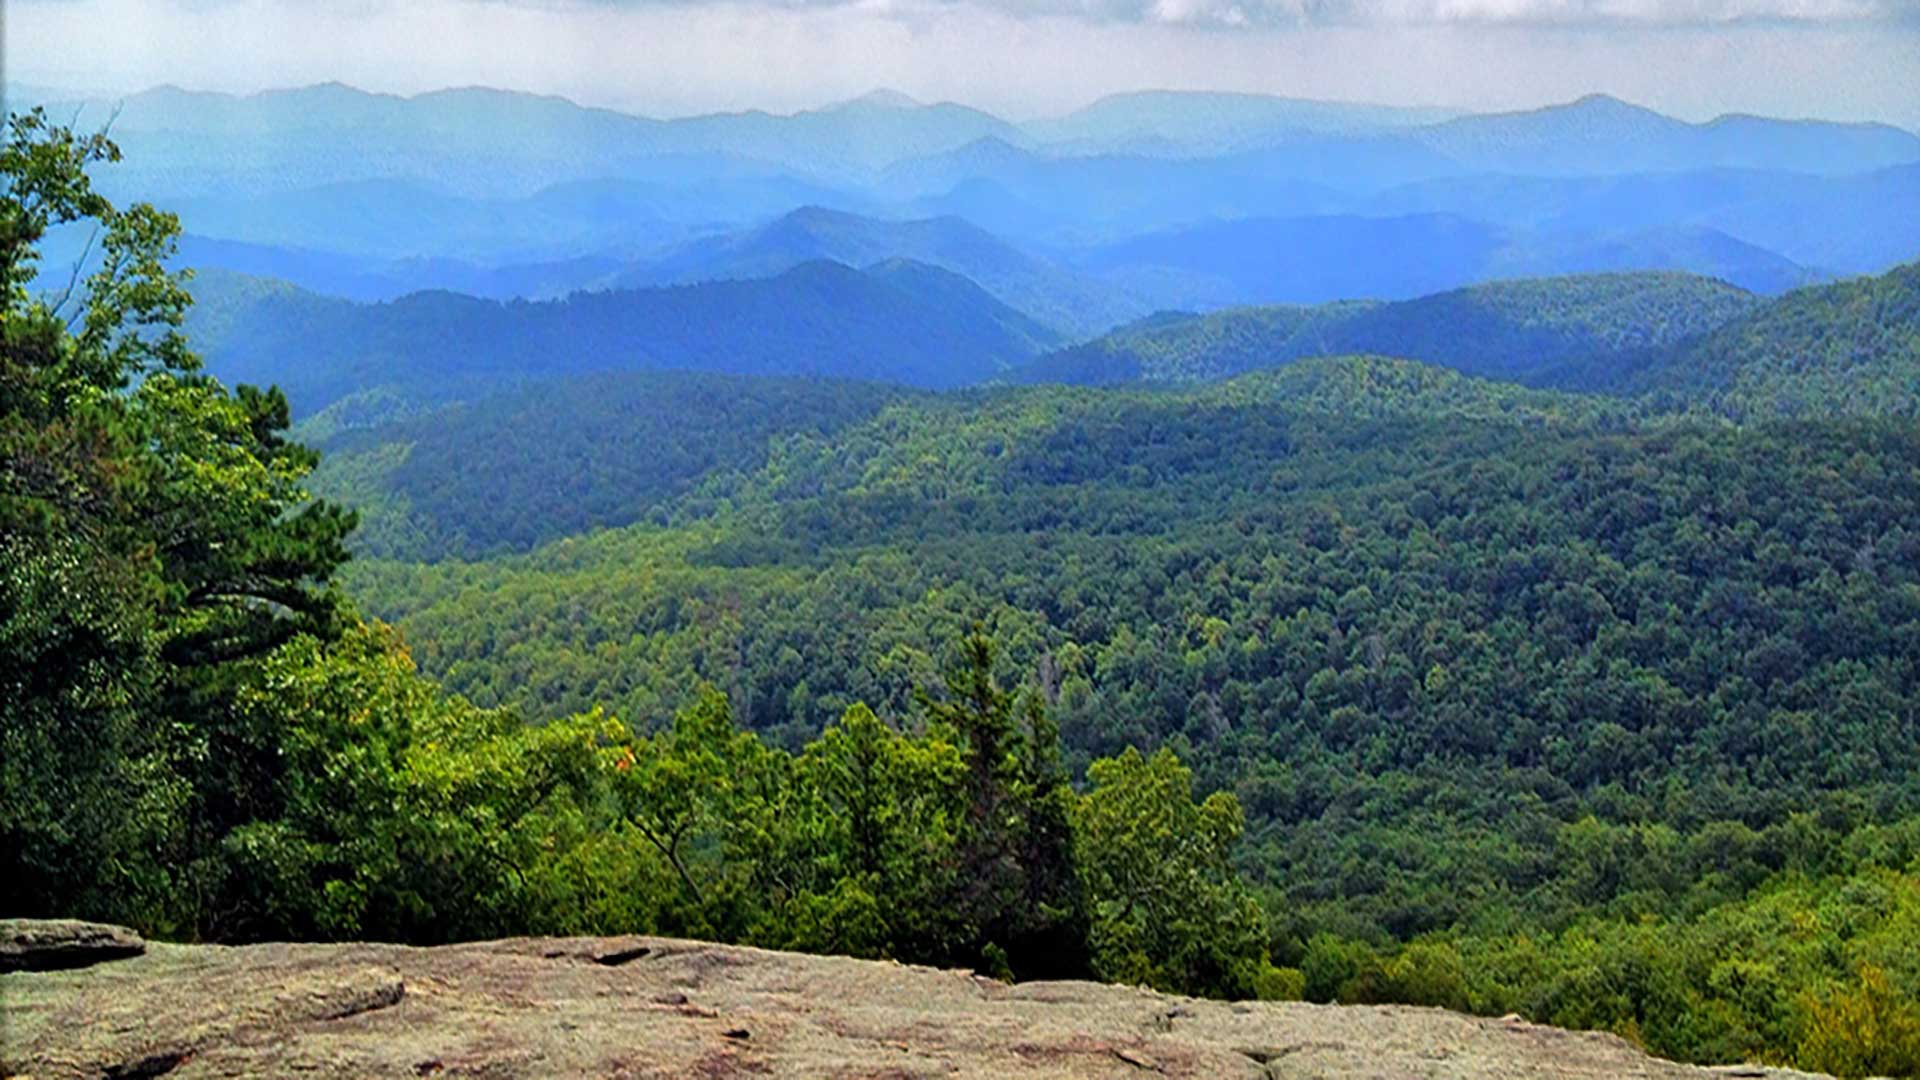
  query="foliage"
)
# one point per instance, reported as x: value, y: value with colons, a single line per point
x: 928, y: 847
x: 1507, y: 330
x: 397, y: 812
x: 1871, y: 1030
x: 1850, y: 348
x: 1477, y: 661
x: 1171, y: 909
x: 156, y: 538
x: 561, y: 457
x: 1815, y: 971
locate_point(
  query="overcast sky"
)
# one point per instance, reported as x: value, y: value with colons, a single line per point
x: 1844, y: 59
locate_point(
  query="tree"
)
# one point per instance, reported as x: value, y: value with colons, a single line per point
x: 676, y: 787
x: 403, y: 813
x: 1168, y: 910
x: 77, y: 596
x: 1864, y: 1030
x: 888, y: 811
x: 158, y: 542
x: 1018, y: 895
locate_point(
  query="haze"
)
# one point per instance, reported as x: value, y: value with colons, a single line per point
x: 1831, y: 59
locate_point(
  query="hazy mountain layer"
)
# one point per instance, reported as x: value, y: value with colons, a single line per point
x: 1075, y: 304
x: 1317, y: 259
x: 898, y: 322
x: 1510, y: 330
x: 501, y: 193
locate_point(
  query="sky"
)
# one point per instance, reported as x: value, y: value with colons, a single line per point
x: 1833, y: 59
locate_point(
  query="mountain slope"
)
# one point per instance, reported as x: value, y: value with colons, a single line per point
x: 927, y: 328
x: 1306, y: 260
x: 1508, y: 330
x: 1854, y: 224
x: 402, y: 218
x: 1861, y: 224
x: 1074, y: 304
x: 568, y: 456
x: 1071, y: 198
x: 1310, y: 260
x: 1852, y: 347
x: 560, y: 457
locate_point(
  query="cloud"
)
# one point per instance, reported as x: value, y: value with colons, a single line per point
x: 1301, y: 14
x: 1598, y: 14
x: 1545, y: 13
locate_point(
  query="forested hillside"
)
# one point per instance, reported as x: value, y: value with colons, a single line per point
x: 553, y: 458
x: 1852, y: 347
x: 1164, y: 505
x: 1514, y: 330
x: 895, y: 322
x: 1490, y: 670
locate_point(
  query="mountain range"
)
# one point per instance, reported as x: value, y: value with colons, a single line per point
x: 1595, y: 135
x: 1600, y: 135
x: 1678, y: 340
x: 1135, y: 202
x: 1324, y: 258
x: 1675, y: 342
x: 1076, y: 304
x: 442, y: 243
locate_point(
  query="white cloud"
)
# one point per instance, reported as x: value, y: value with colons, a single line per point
x: 1553, y: 13
x: 1385, y: 13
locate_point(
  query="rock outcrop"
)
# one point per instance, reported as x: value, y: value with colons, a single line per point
x: 56, y: 944
x: 651, y: 1007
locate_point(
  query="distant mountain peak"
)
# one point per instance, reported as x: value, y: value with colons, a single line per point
x: 810, y: 221
x: 883, y: 98
x: 332, y: 89
x: 816, y: 212
x: 990, y: 144
x: 1607, y: 105
x: 175, y: 90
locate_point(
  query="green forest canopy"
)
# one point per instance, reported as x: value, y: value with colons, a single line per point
x: 1483, y: 665
x: 1506, y: 330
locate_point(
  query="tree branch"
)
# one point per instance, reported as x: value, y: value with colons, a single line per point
x: 73, y: 279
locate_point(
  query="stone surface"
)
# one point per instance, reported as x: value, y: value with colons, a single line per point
x: 52, y: 944
x: 651, y: 1007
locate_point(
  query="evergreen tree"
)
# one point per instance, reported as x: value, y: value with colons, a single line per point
x: 156, y: 540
